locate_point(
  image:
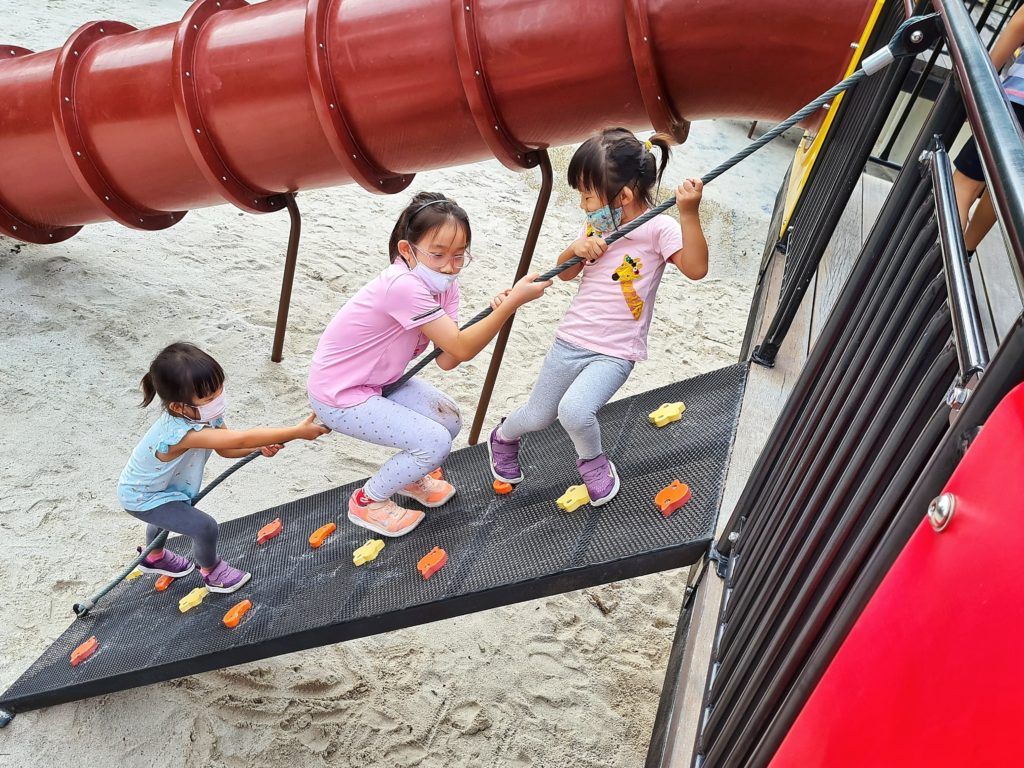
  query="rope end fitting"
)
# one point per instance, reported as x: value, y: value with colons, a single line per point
x: 916, y: 34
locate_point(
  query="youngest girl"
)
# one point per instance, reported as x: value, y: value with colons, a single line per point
x: 378, y: 332
x: 165, y: 470
x: 604, y: 332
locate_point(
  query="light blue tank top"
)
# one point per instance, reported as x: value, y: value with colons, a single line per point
x: 146, y: 482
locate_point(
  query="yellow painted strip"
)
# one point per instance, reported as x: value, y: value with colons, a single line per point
x: 809, y: 148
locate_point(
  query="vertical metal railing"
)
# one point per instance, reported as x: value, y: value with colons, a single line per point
x: 968, y: 336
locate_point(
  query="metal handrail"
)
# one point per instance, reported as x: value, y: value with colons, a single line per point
x: 995, y: 128
x: 968, y: 337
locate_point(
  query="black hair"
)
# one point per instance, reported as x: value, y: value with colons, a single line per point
x: 181, y: 373
x: 615, y: 159
x: 425, y: 212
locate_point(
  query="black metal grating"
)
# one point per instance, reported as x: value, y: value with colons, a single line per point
x: 501, y: 550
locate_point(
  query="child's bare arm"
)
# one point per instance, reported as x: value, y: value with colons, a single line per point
x: 1009, y: 40
x: 459, y: 345
x: 587, y: 248
x: 692, y: 258
x: 241, y: 453
x: 246, y: 440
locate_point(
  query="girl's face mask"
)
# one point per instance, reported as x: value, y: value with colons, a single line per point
x: 436, y: 282
x: 213, y: 409
x: 604, y: 219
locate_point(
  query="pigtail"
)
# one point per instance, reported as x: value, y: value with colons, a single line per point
x: 148, y: 390
x: 663, y: 142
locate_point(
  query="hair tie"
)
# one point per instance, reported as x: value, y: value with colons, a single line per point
x: 648, y: 146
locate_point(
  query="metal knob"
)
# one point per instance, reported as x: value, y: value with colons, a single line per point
x: 940, y: 511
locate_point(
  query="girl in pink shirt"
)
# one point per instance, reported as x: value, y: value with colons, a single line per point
x: 378, y: 332
x: 604, y: 333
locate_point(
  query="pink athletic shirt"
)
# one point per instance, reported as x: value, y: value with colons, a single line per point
x: 375, y: 335
x: 613, y: 307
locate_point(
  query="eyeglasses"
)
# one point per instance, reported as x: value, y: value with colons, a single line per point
x: 437, y: 260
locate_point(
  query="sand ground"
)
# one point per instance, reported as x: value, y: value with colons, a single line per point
x: 553, y: 682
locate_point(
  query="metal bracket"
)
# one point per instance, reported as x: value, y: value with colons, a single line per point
x: 959, y: 393
x: 721, y: 563
x: 916, y: 35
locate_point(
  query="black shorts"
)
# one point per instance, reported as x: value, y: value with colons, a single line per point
x: 968, y: 162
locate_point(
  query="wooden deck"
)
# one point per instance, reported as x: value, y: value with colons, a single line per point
x: 766, y: 393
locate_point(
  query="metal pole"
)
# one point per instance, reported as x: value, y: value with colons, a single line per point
x: 529, y: 246
x: 288, y: 278
x: 971, y: 352
x: 995, y: 128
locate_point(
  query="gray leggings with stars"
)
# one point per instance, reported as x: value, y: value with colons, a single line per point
x: 418, y: 419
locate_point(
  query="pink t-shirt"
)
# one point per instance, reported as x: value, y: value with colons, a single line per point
x: 375, y: 335
x: 613, y: 307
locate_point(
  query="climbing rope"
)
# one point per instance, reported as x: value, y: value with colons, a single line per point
x: 82, y: 609
x: 913, y: 36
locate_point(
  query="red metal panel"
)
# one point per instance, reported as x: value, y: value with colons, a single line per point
x: 932, y: 673
x: 401, y: 75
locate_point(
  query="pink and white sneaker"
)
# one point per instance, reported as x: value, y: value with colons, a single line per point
x: 429, y: 491
x: 383, y: 517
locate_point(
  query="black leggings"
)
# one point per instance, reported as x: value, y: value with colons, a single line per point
x: 183, y: 518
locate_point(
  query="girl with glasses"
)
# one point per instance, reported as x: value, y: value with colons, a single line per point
x: 369, y: 343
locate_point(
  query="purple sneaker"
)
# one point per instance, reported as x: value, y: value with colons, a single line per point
x: 223, y: 578
x: 504, y: 457
x: 601, y: 479
x: 169, y: 564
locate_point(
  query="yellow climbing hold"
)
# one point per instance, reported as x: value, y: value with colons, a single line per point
x: 192, y: 599
x: 666, y: 414
x: 133, y: 575
x: 574, y: 498
x: 368, y: 551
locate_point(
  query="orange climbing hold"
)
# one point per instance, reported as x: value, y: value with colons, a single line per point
x: 501, y: 487
x: 431, y: 562
x: 84, y: 651
x: 269, y: 531
x: 672, y: 497
x: 321, y: 533
x: 163, y: 583
x: 232, y: 617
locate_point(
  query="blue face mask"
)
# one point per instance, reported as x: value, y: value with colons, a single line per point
x: 604, y: 219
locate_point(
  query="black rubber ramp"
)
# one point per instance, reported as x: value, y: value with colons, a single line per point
x: 501, y: 550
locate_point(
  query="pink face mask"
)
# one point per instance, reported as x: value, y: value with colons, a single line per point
x: 213, y: 409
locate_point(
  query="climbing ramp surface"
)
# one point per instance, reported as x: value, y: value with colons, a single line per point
x: 502, y: 550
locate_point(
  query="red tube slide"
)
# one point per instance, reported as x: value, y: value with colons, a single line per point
x: 242, y: 102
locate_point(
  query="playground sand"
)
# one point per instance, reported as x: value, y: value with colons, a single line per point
x: 571, y: 680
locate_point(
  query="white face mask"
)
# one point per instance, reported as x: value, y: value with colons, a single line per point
x: 213, y: 409
x: 436, y: 282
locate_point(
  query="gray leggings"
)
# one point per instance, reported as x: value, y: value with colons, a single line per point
x: 418, y: 419
x: 573, y: 385
x: 181, y: 517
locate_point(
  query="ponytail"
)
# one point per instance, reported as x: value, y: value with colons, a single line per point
x: 148, y: 390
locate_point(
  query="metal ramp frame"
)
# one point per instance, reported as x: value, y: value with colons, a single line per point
x: 502, y: 550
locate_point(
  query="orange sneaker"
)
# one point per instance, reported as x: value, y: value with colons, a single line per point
x: 383, y: 517
x: 429, y: 491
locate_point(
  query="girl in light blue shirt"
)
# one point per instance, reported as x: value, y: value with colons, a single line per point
x: 165, y: 471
